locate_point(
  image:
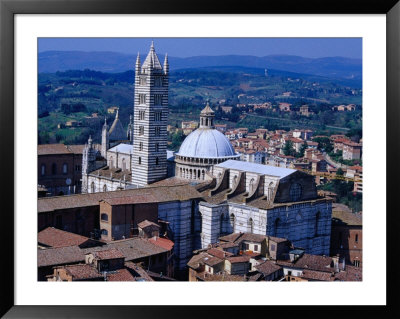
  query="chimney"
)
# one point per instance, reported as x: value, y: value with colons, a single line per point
x: 335, y: 260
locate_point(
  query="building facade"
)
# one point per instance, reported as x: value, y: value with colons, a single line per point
x: 266, y: 200
x: 150, y: 120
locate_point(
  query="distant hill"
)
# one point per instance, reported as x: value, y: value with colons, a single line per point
x: 333, y: 67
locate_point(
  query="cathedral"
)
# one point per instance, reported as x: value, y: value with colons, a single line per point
x: 137, y: 157
x: 235, y: 196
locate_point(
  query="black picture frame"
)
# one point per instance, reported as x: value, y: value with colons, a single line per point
x: 8, y: 9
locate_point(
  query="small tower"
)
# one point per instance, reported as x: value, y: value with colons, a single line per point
x: 129, y: 133
x: 207, y: 117
x: 88, y: 163
x: 104, y: 139
x: 149, y: 160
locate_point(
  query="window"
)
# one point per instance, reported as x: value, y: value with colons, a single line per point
x: 272, y: 247
x: 65, y: 168
x: 43, y: 169
x: 140, y: 160
x: 157, y: 130
x: 92, y: 187
x: 143, y: 81
x: 295, y: 192
x: 232, y: 220
x: 356, y: 238
x: 157, y: 99
x: 142, y: 115
x: 104, y: 232
x: 255, y: 247
x: 123, y: 164
x: 157, y: 116
x: 104, y: 217
x: 157, y: 161
x: 141, y: 130
x: 104, y: 188
x: 140, y: 146
x: 356, y: 263
x: 142, y: 98
x: 157, y: 147
x: 250, y: 226
x: 54, y: 168
x: 157, y: 81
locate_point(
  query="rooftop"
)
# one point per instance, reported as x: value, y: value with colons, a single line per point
x: 267, y: 268
x: 108, y: 254
x: 54, y: 237
x: 122, y: 148
x: 257, y: 168
x: 162, y: 193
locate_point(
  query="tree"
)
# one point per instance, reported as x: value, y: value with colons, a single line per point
x: 339, y: 172
x: 288, y: 148
x: 302, y: 149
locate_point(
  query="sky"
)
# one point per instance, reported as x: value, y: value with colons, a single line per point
x: 187, y: 47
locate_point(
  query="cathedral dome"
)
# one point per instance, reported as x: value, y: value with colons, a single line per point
x: 206, y: 143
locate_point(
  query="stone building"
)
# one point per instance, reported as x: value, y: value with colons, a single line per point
x: 60, y: 168
x: 266, y: 200
x: 138, y: 156
x: 202, y: 149
x: 346, y: 236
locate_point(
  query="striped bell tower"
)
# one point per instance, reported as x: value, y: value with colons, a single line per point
x: 149, y: 163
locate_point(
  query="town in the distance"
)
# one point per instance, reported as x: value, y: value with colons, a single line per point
x: 207, y: 188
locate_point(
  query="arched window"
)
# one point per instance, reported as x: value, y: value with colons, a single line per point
x: 317, y: 220
x: 104, y: 217
x: 65, y: 168
x: 92, y: 187
x: 111, y: 164
x: 251, y: 185
x: 140, y: 160
x: 104, y: 188
x: 43, y: 169
x: 54, y: 168
x: 250, y: 224
x: 232, y: 222
x: 234, y: 182
x: 104, y: 232
x: 157, y: 160
x: 198, y: 174
x: 123, y: 164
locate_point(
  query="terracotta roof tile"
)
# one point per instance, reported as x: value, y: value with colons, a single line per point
x: 162, y: 193
x: 54, y: 237
x: 82, y: 272
x: 162, y: 242
x: 267, y: 268
x: 108, y: 254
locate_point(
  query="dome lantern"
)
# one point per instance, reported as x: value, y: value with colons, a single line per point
x: 207, y: 117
